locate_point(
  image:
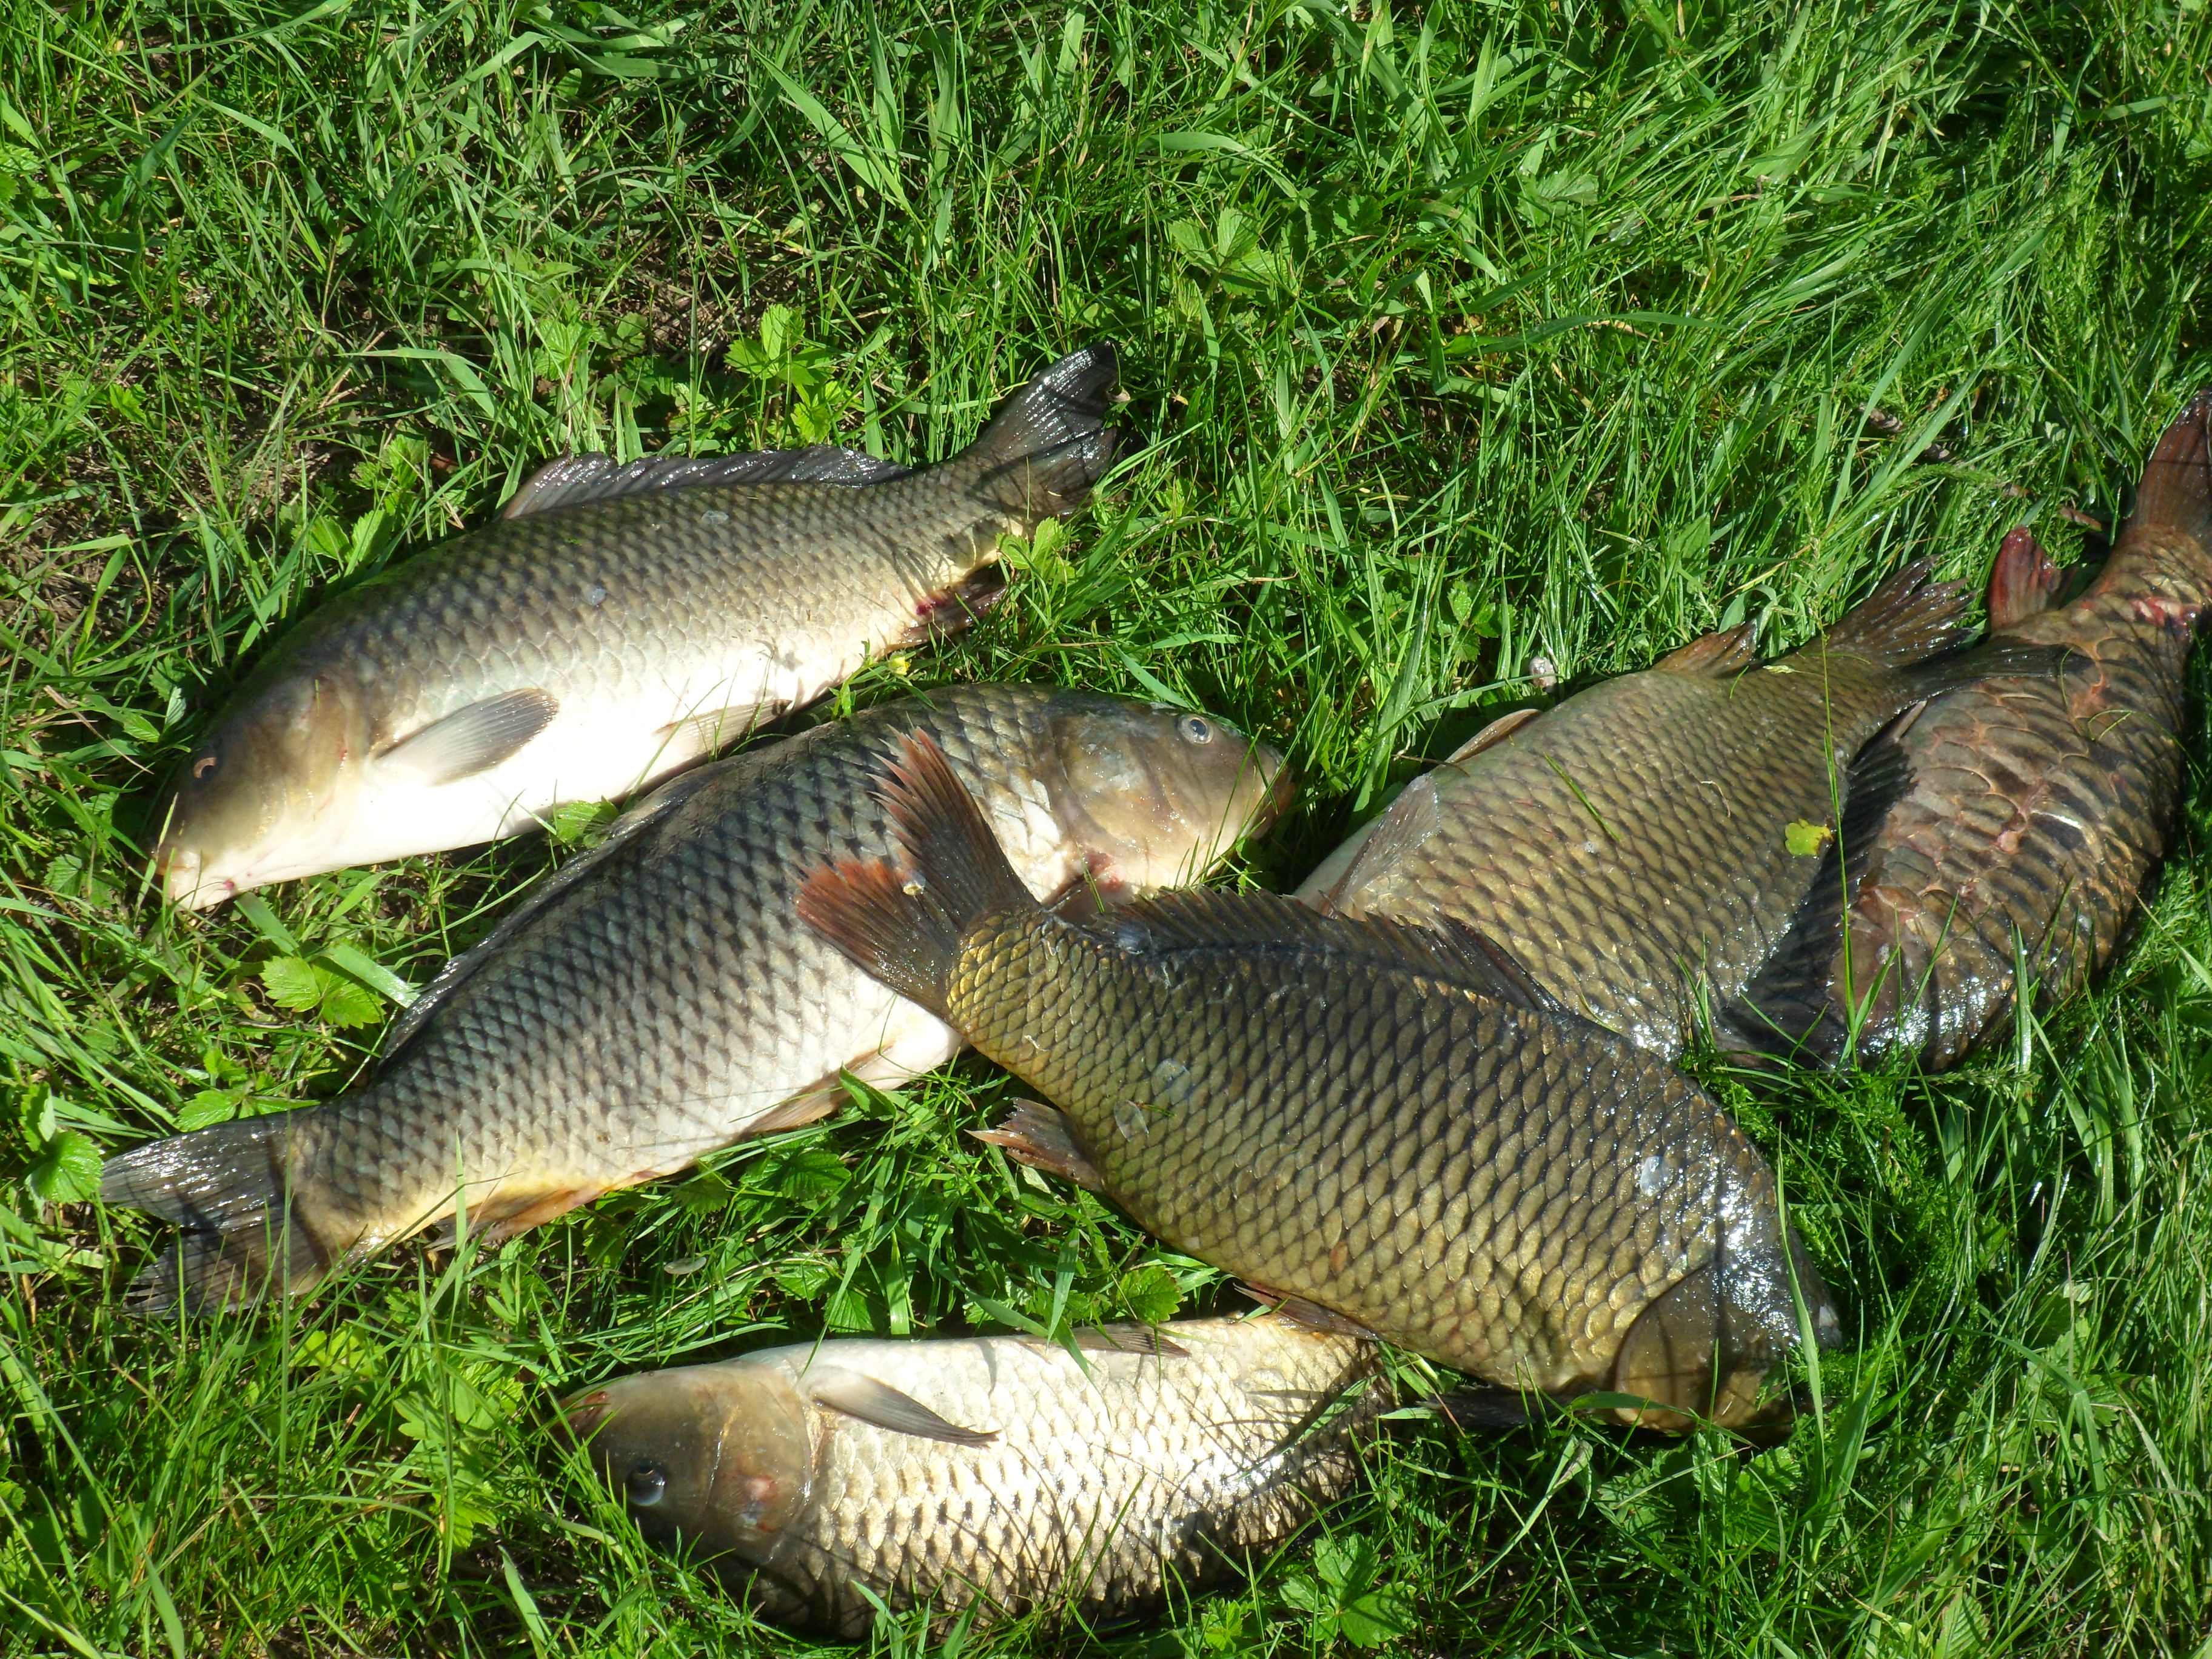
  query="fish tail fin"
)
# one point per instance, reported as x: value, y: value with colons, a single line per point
x: 227, y: 1187
x: 907, y: 928
x: 1906, y: 619
x: 2174, y: 500
x: 2023, y: 581
x: 1045, y: 450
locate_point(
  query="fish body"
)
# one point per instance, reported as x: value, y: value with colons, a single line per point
x: 1391, y: 1124
x: 1633, y: 845
x: 1086, y: 1486
x: 2012, y: 822
x: 615, y: 625
x: 658, y: 998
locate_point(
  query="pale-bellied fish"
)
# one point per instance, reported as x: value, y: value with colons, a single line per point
x: 659, y: 998
x: 999, y: 1473
x: 2013, y: 821
x: 1391, y: 1126
x: 617, y: 622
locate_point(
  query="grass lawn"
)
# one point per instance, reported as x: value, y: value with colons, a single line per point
x: 1454, y: 339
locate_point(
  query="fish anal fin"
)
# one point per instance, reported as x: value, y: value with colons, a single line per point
x: 1148, y: 1340
x: 2023, y: 580
x: 576, y: 480
x: 1036, y: 1134
x: 1311, y: 1315
x: 953, y: 610
x: 715, y: 728
x: 1908, y: 617
x: 863, y: 1397
x: 472, y: 740
x: 499, y: 1222
x: 1496, y: 732
x: 1723, y: 651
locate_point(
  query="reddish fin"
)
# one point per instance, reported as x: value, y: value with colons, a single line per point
x: 1723, y: 653
x: 1908, y: 618
x: 1039, y: 1136
x: 2023, y: 581
x: 1311, y: 1315
x: 2175, y: 496
x: 1496, y: 732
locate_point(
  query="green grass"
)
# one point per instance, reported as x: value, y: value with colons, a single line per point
x: 1453, y: 338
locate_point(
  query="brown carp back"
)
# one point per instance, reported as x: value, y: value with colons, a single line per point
x: 1387, y: 1123
x: 2011, y: 822
x: 659, y: 998
x: 1634, y: 844
x: 618, y: 623
x: 1088, y: 1487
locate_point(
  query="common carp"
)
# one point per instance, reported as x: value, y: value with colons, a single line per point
x: 658, y: 998
x: 999, y: 1472
x: 617, y: 622
x: 2013, y: 821
x: 1391, y: 1126
x: 1635, y: 845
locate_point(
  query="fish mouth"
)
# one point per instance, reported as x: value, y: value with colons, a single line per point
x: 584, y: 1415
x: 182, y: 875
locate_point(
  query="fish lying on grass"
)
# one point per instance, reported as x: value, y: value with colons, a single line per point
x: 998, y: 1471
x: 615, y: 624
x: 1657, y: 832
x: 2012, y: 823
x: 658, y: 999
x: 1386, y: 1125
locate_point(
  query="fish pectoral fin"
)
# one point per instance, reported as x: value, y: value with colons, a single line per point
x: 704, y: 733
x: 1408, y: 822
x: 1037, y: 1136
x: 473, y: 739
x: 1496, y: 732
x: 859, y: 1395
x: 1311, y: 1315
x: 1129, y: 1338
x: 573, y: 480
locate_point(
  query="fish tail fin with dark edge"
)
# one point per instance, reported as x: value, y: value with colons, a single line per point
x: 2174, y: 501
x: 1907, y: 619
x: 907, y: 927
x: 1046, y: 449
x: 226, y: 1188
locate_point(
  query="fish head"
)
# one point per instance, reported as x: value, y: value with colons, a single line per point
x: 256, y: 789
x: 717, y: 1457
x: 1706, y: 1346
x: 1154, y: 794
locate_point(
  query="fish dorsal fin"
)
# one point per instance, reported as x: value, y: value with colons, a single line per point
x: 1907, y: 619
x: 1496, y: 732
x: 1146, y: 1339
x: 472, y: 740
x: 2022, y: 582
x: 1447, y: 951
x: 1792, y: 993
x: 626, y: 829
x: 1721, y: 652
x: 573, y: 480
x: 1036, y: 1134
x: 862, y: 1396
x: 1407, y: 824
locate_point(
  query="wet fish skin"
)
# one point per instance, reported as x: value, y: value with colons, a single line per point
x: 1165, y: 1463
x: 2018, y: 817
x: 1392, y: 1125
x: 617, y: 623
x: 1630, y: 844
x: 658, y: 999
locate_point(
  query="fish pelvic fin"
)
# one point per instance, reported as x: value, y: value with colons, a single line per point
x: 907, y: 927
x: 1905, y: 620
x: 2023, y: 581
x: 1049, y: 445
x: 227, y: 1187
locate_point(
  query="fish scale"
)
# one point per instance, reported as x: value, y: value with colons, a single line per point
x: 659, y: 997
x: 1389, y: 1124
x: 1631, y: 845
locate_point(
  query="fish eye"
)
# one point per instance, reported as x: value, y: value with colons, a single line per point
x: 204, y: 765
x: 645, y: 1484
x: 1195, y: 730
